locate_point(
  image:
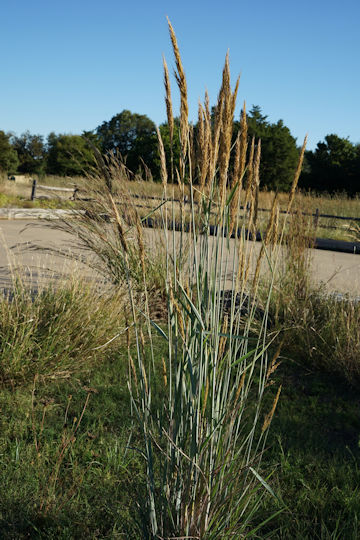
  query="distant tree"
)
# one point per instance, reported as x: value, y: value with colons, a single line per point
x: 133, y: 135
x: 333, y: 166
x: 8, y: 156
x: 279, y: 154
x: 257, y: 122
x: 92, y: 138
x: 68, y: 155
x: 31, y: 152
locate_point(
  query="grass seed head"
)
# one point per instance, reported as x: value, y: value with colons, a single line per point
x: 274, y: 364
x: 250, y: 171
x: 243, y: 140
x: 296, y: 176
x: 163, y: 169
x: 164, y: 371
x: 239, y: 388
x: 168, y: 101
x: 269, y: 416
x: 184, y: 108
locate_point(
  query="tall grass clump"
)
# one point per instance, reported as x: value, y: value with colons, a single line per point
x: 318, y: 329
x: 108, y: 232
x: 55, y: 331
x: 200, y: 405
x: 204, y: 443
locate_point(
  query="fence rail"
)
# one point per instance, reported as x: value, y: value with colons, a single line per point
x: 36, y: 186
x: 75, y: 191
x: 316, y: 215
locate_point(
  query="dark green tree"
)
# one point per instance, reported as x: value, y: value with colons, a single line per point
x: 92, y: 138
x: 31, y: 152
x: 279, y: 154
x: 333, y: 166
x: 68, y: 155
x: 133, y: 136
x: 8, y: 156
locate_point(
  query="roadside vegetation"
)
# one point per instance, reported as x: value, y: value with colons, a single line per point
x: 60, y: 483
x: 69, y: 468
x: 190, y: 396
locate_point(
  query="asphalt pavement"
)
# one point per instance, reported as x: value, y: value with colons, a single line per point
x: 27, y: 247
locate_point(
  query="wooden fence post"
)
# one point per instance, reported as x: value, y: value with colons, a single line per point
x: 33, y: 190
x: 316, y: 218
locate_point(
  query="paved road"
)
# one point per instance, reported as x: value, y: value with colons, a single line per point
x: 340, y: 271
x: 19, y: 253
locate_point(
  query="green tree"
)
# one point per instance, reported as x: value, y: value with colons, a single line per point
x: 8, y: 156
x: 92, y: 138
x: 31, y: 152
x: 68, y: 155
x: 279, y: 154
x: 133, y: 135
x: 333, y: 166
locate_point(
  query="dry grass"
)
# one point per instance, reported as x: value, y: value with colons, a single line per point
x: 318, y: 330
x: 57, y: 330
x: 193, y: 443
x: 108, y: 224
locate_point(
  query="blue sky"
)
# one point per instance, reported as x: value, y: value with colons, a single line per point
x: 69, y: 65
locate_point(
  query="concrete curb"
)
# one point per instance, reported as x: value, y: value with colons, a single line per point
x: 34, y: 213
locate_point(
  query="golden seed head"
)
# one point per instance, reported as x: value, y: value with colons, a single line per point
x: 269, y: 416
x: 168, y: 101
x: 164, y: 371
x: 297, y: 175
x: 184, y: 108
x: 163, y: 169
x: 239, y: 388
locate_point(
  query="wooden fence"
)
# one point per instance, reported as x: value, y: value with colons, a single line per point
x: 315, y: 215
x: 36, y: 186
x: 75, y: 195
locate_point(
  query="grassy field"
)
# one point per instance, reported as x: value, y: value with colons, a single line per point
x: 17, y: 194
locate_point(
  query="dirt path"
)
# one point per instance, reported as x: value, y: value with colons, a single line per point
x: 339, y: 271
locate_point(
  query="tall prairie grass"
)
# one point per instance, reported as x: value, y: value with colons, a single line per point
x: 204, y: 441
x: 202, y: 463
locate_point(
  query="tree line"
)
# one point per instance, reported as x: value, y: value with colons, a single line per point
x: 334, y: 165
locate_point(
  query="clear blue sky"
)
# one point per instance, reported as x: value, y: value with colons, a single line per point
x: 67, y: 66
